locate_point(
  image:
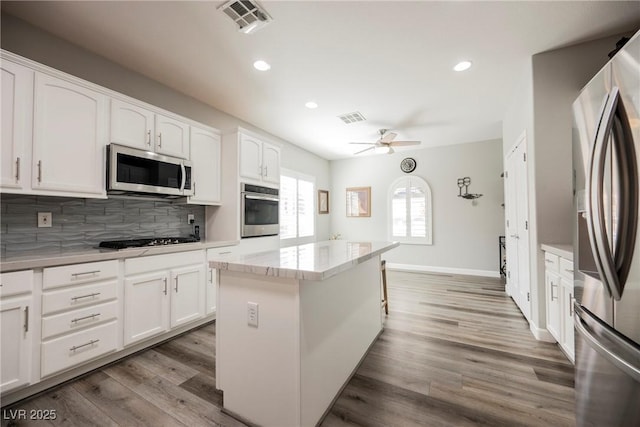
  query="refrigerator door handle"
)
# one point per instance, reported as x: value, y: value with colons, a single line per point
x: 589, y: 329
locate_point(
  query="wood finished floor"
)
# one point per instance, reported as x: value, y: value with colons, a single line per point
x: 455, y: 352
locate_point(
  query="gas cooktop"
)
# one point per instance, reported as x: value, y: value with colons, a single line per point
x: 138, y: 243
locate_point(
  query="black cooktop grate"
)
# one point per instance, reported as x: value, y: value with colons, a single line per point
x: 138, y: 243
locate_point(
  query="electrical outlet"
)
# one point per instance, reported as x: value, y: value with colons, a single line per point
x: 252, y: 314
x: 44, y: 219
x: 191, y: 218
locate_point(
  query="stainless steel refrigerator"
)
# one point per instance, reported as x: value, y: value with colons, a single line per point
x: 606, y: 151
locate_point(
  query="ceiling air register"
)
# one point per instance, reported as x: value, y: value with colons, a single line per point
x: 249, y: 16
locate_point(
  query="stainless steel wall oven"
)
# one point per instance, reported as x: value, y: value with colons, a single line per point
x: 259, y: 210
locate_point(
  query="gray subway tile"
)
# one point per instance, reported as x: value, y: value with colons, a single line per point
x: 103, y: 219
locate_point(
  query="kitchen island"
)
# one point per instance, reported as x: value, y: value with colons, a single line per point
x: 292, y: 326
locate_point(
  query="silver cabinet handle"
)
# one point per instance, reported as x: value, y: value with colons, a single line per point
x: 26, y: 319
x: 75, y: 275
x: 85, y: 296
x: 39, y: 170
x: 194, y: 188
x: 266, y: 171
x: 165, y: 286
x: 149, y: 137
x: 224, y: 253
x: 548, y: 261
x: 76, y: 347
x: 211, y: 275
x: 176, y: 280
x: 568, y: 271
x: 17, y: 169
x: 91, y: 316
x: 552, y: 297
x: 160, y: 139
x: 515, y: 236
x: 570, y: 305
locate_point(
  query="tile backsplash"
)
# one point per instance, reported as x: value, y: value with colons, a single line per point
x: 83, y: 223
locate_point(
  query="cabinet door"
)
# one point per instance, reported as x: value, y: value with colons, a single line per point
x: 567, y: 318
x: 16, y: 343
x: 69, y: 138
x: 131, y: 125
x: 250, y: 158
x: 205, y: 155
x: 17, y: 119
x: 270, y: 163
x: 146, y: 306
x: 172, y: 137
x: 552, y: 281
x: 187, y: 294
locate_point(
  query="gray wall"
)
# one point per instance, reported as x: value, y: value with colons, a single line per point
x: 26, y: 40
x: 83, y: 223
x: 465, y: 235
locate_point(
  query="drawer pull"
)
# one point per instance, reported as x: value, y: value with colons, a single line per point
x: 568, y: 271
x: 26, y: 319
x: 75, y: 276
x: 79, y: 319
x: 74, y: 299
x: 224, y: 253
x: 76, y: 347
x: 548, y: 260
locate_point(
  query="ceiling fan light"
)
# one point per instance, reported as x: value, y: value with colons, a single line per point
x: 311, y: 105
x: 462, y: 66
x: 261, y: 65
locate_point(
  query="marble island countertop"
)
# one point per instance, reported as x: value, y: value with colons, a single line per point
x: 91, y: 254
x: 563, y: 250
x: 313, y: 261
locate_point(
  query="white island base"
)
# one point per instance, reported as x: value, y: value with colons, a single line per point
x: 315, y: 322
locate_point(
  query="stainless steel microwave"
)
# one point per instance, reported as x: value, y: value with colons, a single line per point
x: 259, y: 211
x: 137, y: 172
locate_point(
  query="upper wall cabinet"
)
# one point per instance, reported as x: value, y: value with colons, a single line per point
x: 259, y: 160
x: 139, y: 127
x: 17, y: 121
x: 205, y: 155
x: 69, y: 137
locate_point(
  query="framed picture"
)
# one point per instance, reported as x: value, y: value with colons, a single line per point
x: 323, y: 201
x: 359, y: 201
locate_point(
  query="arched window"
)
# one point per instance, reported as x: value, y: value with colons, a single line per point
x: 410, y: 211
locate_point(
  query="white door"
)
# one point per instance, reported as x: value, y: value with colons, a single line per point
x: 187, y: 294
x: 172, y: 137
x: 15, y: 343
x: 250, y: 158
x: 146, y: 306
x: 205, y: 155
x: 271, y: 163
x: 69, y: 138
x: 17, y: 121
x: 131, y: 125
x: 517, y: 204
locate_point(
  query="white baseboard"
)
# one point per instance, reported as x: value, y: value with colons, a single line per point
x: 541, y: 334
x: 449, y: 270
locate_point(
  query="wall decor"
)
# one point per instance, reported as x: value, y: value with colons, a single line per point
x: 359, y: 201
x: 323, y: 201
x: 408, y: 165
x: 464, y: 182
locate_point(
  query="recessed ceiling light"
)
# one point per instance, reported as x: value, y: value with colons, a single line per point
x: 261, y: 65
x: 311, y: 105
x: 462, y: 65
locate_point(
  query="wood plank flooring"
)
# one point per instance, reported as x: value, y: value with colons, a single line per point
x: 455, y: 351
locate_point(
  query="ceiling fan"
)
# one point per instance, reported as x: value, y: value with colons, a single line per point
x: 386, y: 140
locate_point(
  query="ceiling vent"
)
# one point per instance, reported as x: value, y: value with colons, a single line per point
x: 249, y: 16
x: 352, y: 117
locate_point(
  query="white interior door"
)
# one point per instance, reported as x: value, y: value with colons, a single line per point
x: 517, y: 211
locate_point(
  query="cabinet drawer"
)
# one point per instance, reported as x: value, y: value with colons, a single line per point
x: 78, y: 319
x: 56, y: 277
x: 551, y: 262
x: 162, y: 262
x: 70, y: 350
x: 566, y: 269
x: 17, y: 282
x: 79, y: 296
x: 215, y: 253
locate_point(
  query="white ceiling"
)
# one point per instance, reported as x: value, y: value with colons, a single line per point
x: 390, y: 60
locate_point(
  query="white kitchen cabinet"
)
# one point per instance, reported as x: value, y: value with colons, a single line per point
x: 135, y: 126
x: 205, y: 156
x: 162, y: 292
x: 16, y: 324
x: 69, y: 138
x: 17, y: 122
x: 559, y: 290
x: 212, y: 280
x: 259, y: 160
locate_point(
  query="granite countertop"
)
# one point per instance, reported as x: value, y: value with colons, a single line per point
x: 313, y: 261
x: 40, y: 260
x: 561, y: 249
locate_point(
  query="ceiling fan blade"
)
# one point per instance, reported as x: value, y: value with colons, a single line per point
x: 362, y: 151
x: 363, y: 143
x: 388, y: 137
x: 404, y: 143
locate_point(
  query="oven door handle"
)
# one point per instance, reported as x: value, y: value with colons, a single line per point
x: 269, y: 198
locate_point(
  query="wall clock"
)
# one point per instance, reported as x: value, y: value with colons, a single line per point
x: 408, y: 165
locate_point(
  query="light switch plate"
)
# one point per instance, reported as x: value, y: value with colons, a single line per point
x: 44, y: 219
x: 252, y: 314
